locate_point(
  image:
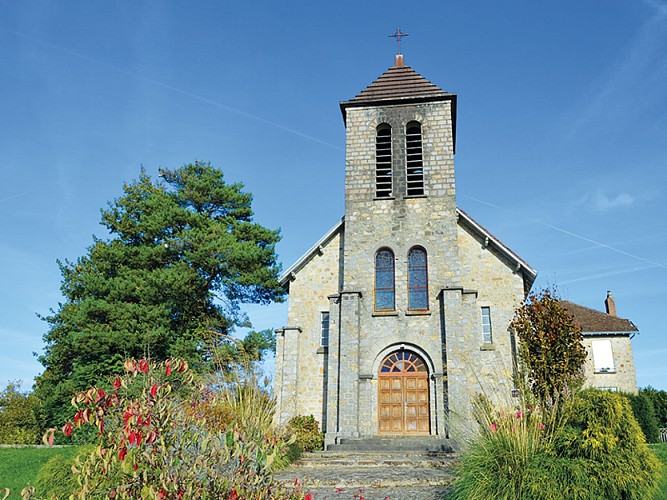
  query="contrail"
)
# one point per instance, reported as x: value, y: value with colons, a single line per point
x: 174, y: 89
x: 570, y: 233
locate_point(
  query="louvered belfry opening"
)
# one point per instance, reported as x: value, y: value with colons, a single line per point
x: 414, y: 159
x: 383, y: 164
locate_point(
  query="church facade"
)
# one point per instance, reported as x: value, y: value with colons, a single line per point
x: 399, y: 315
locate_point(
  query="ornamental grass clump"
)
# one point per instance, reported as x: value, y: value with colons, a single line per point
x: 591, y: 448
x: 510, y: 437
x: 154, y: 440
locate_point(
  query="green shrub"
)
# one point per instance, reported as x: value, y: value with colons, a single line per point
x: 18, y: 424
x: 602, y: 432
x: 659, y: 400
x: 642, y: 408
x: 596, y: 451
x: 307, y: 432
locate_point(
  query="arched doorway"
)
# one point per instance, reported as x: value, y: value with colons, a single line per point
x: 403, y: 395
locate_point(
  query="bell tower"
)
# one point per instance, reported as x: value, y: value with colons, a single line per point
x: 399, y: 170
x: 400, y: 231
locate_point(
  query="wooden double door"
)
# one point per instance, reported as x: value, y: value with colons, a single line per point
x: 403, y: 395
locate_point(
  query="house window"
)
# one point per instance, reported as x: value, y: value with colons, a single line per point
x: 383, y: 187
x: 384, y: 280
x: 324, y: 340
x: 417, y: 279
x: 486, y: 325
x: 414, y: 159
x: 603, y: 359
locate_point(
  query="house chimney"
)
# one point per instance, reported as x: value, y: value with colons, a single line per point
x: 609, y: 304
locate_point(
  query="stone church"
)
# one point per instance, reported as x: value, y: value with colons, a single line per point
x: 399, y: 315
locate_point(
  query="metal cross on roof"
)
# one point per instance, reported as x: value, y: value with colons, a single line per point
x: 398, y: 35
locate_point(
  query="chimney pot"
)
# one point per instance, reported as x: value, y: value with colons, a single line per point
x: 609, y: 304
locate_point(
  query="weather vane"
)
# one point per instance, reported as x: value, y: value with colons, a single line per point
x: 398, y: 35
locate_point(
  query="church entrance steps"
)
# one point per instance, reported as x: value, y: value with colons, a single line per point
x: 395, y: 443
x: 375, y: 459
x: 373, y: 475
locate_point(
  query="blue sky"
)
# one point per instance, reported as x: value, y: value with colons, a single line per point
x: 561, y: 140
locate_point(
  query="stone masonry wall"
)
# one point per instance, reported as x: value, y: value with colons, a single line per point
x: 302, y: 352
x: 474, y: 366
x: 624, y: 378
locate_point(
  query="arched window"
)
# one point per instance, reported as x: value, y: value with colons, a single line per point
x: 384, y: 280
x: 383, y: 187
x: 414, y: 159
x: 417, y: 279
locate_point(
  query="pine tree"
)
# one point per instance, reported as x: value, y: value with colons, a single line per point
x: 182, y: 256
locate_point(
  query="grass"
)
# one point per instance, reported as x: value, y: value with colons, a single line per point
x: 661, y: 452
x: 19, y: 466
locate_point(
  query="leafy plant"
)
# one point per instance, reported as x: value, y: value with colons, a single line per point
x: 550, y: 346
x: 154, y: 441
x: 307, y: 431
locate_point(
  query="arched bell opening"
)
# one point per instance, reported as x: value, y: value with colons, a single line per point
x: 403, y: 395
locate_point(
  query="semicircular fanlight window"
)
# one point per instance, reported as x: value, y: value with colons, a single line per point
x: 402, y: 362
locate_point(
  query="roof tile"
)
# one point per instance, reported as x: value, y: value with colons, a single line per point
x: 398, y: 82
x: 592, y: 320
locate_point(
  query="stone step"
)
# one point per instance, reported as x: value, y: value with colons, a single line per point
x: 381, y: 475
x: 375, y: 459
x: 367, y: 477
x: 408, y: 444
x: 392, y: 493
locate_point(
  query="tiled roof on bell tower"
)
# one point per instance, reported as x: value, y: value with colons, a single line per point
x: 399, y: 83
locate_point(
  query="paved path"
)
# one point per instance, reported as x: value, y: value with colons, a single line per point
x: 372, y: 475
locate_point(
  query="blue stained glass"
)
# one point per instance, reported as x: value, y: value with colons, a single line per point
x: 384, y: 300
x: 384, y: 281
x: 417, y: 279
x: 418, y: 299
x: 384, y: 278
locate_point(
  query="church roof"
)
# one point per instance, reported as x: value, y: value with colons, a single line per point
x: 398, y: 83
x: 528, y: 272
x: 594, y: 322
x: 401, y: 84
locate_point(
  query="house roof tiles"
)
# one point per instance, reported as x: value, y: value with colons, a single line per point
x: 594, y: 321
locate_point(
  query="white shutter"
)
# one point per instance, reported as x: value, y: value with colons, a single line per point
x: 603, y: 358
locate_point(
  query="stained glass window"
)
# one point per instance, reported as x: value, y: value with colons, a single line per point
x: 384, y: 280
x: 417, y: 279
x: 402, y: 362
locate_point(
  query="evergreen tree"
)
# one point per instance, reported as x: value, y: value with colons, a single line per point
x: 182, y: 256
x: 644, y: 412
